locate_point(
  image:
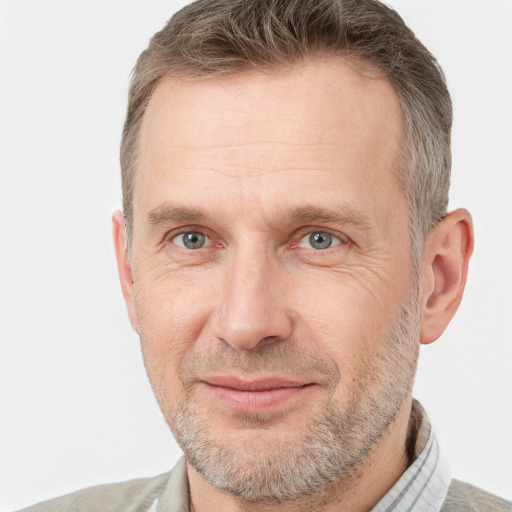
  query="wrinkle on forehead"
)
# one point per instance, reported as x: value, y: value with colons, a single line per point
x: 256, y: 160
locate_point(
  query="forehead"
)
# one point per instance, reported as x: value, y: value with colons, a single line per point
x: 320, y: 94
x: 322, y: 116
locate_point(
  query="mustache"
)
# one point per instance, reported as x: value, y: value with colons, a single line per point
x: 280, y: 358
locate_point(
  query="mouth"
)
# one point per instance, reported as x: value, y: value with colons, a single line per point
x: 255, y: 395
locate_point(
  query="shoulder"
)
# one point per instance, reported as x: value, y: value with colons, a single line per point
x: 131, y: 496
x: 468, y: 498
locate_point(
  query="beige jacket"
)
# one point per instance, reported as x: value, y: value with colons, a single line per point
x: 140, y: 495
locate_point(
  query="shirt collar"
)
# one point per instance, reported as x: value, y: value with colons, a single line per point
x: 424, y: 485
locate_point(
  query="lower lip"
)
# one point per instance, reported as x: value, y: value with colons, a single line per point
x: 255, y: 401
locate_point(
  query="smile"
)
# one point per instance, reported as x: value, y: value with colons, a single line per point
x: 261, y: 395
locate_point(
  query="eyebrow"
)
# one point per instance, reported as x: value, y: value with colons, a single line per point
x: 339, y: 215
x: 167, y: 213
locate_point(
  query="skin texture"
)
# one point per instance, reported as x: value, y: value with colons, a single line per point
x: 257, y: 162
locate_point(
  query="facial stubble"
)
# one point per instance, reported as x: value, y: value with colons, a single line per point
x: 332, y: 445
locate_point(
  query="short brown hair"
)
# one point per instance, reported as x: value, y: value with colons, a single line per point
x: 212, y: 38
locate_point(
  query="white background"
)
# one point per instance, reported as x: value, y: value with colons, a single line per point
x: 75, y: 405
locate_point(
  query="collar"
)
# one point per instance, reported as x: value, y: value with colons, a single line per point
x: 424, y: 484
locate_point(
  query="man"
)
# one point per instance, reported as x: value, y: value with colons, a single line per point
x: 283, y: 251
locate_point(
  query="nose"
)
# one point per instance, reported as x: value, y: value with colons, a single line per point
x: 253, y: 309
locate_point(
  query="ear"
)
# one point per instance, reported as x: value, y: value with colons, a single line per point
x: 444, y: 271
x: 124, y: 266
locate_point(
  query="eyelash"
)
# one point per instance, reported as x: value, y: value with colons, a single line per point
x: 338, y: 239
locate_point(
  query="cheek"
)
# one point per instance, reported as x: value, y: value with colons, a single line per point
x: 171, y: 316
x: 345, y: 322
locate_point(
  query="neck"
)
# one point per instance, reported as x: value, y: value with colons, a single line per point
x: 358, y: 491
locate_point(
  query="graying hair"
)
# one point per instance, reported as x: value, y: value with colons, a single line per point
x: 214, y: 38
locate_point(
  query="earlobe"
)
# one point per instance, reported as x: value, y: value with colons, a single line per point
x: 124, y: 265
x: 444, y: 269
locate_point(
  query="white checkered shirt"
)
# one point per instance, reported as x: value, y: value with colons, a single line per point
x: 424, y: 485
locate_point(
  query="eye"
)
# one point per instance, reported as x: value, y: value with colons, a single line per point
x: 319, y: 240
x: 191, y: 240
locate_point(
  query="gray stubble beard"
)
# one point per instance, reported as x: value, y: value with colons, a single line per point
x: 334, y: 445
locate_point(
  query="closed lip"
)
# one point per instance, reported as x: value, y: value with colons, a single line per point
x: 256, y: 384
x: 255, y: 395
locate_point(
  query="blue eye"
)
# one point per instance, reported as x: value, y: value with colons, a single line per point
x: 319, y: 240
x: 190, y: 240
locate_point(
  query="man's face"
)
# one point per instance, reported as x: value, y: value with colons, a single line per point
x: 273, y: 283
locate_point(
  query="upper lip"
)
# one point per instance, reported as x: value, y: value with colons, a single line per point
x: 258, y: 384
